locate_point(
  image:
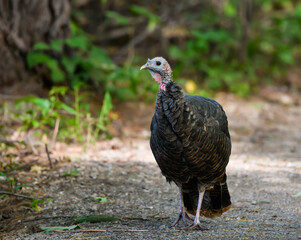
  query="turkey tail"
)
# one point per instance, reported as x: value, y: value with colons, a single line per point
x: 215, y: 202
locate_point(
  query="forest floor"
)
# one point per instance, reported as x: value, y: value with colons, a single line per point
x: 264, y: 178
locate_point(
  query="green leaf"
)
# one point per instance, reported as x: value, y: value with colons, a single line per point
x: 117, y: 17
x: 57, y: 75
x: 34, y: 58
x: 68, y: 109
x: 298, y: 11
x: 49, y: 229
x: 229, y: 10
x: 98, y: 58
x: 25, y: 99
x: 95, y: 219
x: 153, y: 19
x: 35, y: 123
x: 175, y: 52
x: 58, y: 90
x: 106, y: 105
x: 5, y: 176
x: 70, y: 64
x: 152, y: 24
x: 57, y: 45
x: 144, y: 12
x: 42, y: 103
x: 287, y: 57
x: 80, y: 42
x: 41, y: 46
x: 54, y: 45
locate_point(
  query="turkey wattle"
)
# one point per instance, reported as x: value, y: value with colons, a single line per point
x: 191, y: 144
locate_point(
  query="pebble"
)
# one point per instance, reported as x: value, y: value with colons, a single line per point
x: 94, y: 195
x: 162, y: 227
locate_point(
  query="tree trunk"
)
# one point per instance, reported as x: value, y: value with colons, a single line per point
x: 245, y: 10
x: 22, y: 24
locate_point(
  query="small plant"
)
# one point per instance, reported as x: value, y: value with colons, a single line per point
x: 101, y: 199
x: 71, y: 173
x: 13, y: 182
x: 35, y: 204
x: 68, y: 123
x: 42, y: 112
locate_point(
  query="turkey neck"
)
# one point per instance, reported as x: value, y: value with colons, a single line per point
x: 172, y: 107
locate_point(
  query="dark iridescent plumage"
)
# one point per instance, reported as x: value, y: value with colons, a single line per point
x: 191, y: 144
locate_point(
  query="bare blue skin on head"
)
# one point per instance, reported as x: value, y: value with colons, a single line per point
x: 160, y: 71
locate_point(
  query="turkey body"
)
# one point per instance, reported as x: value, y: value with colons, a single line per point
x: 191, y: 144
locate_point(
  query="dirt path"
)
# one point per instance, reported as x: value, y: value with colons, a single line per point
x: 264, y: 178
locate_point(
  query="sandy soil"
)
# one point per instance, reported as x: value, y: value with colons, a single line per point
x: 264, y: 178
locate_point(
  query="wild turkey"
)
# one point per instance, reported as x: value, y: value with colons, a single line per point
x: 191, y: 144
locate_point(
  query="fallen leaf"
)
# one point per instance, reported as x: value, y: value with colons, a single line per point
x: 37, y: 168
x: 297, y: 194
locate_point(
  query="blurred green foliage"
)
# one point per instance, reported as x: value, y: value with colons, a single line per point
x: 233, y: 46
x: 153, y: 19
x: 228, y: 45
x: 212, y: 53
x: 89, y: 66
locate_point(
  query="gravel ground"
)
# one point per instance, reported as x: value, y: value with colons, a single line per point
x: 264, y: 178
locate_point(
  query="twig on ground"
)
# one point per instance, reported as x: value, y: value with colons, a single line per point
x: 18, y: 195
x: 144, y: 219
x: 92, y: 230
x: 154, y: 215
x: 48, y: 155
x: 103, y: 230
x: 131, y: 230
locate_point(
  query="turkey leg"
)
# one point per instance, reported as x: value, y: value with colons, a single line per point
x: 182, y: 214
x: 196, y: 223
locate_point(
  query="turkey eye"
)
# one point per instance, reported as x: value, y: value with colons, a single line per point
x: 158, y: 63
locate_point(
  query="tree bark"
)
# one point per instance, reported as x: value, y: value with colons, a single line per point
x: 22, y: 24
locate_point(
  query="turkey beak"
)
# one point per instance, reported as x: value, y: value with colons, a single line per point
x: 145, y: 66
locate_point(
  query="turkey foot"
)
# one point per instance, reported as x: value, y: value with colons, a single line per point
x: 196, y: 226
x: 182, y: 215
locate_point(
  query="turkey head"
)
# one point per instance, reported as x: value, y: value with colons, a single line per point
x: 160, y: 71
